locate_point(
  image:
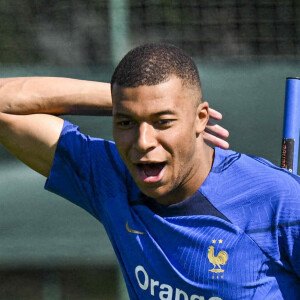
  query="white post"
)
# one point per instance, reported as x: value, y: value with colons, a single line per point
x: 119, y: 29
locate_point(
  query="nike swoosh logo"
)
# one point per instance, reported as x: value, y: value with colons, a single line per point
x: 132, y: 230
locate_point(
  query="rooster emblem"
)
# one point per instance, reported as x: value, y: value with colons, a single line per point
x: 219, y: 260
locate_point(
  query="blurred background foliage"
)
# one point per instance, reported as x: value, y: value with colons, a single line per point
x: 78, y: 32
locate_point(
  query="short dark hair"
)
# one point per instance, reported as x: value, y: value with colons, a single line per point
x: 152, y: 64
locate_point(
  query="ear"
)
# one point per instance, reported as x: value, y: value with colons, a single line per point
x: 202, y: 117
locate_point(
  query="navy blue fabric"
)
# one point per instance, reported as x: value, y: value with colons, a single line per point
x: 197, y: 204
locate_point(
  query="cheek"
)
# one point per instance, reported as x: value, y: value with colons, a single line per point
x: 181, y: 144
x: 123, y: 142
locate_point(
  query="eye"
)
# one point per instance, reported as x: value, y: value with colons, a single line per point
x: 124, y: 124
x: 165, y: 122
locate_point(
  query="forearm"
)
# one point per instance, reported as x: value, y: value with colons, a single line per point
x: 51, y: 95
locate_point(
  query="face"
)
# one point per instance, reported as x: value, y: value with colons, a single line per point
x: 157, y: 130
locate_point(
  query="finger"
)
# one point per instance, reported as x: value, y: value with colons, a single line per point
x: 216, y: 129
x: 215, y: 141
x: 215, y: 114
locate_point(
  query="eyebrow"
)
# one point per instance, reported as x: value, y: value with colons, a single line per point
x: 165, y: 112
x: 157, y: 114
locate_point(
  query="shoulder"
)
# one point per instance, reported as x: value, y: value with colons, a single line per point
x: 88, y: 155
x: 278, y: 183
x: 71, y: 136
x: 260, y: 198
x: 91, y: 163
x: 252, y: 191
x: 255, y: 173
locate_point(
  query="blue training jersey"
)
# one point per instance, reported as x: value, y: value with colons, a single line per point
x: 237, y: 237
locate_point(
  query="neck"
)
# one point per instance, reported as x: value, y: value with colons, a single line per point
x: 193, y: 180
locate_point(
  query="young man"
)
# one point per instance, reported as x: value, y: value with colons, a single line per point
x: 186, y: 221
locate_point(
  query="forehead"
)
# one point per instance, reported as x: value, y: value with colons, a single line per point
x: 171, y: 94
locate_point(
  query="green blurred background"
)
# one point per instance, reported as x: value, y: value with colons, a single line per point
x: 51, y: 249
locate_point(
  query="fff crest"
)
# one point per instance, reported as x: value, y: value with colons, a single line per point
x: 219, y: 260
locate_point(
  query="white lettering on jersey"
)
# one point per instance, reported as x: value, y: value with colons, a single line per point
x: 144, y: 285
x: 153, y: 284
x: 180, y: 293
x: 164, y: 291
x: 195, y: 297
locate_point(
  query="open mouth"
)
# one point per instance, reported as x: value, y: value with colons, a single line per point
x: 151, y: 172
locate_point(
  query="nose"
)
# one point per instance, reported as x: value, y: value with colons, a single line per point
x: 146, y: 138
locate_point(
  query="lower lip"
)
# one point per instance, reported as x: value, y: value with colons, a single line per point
x: 151, y: 179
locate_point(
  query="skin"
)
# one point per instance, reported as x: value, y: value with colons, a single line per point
x: 28, y: 128
x: 162, y: 123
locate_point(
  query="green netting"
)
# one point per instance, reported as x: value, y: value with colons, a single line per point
x: 90, y: 32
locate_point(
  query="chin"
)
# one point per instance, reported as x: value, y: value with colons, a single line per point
x: 154, y: 192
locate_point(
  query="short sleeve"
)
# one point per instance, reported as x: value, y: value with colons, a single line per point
x: 87, y: 171
x: 289, y: 227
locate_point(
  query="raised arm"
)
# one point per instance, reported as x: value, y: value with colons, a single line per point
x: 54, y: 95
x: 31, y: 138
x: 28, y: 127
x: 28, y: 106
